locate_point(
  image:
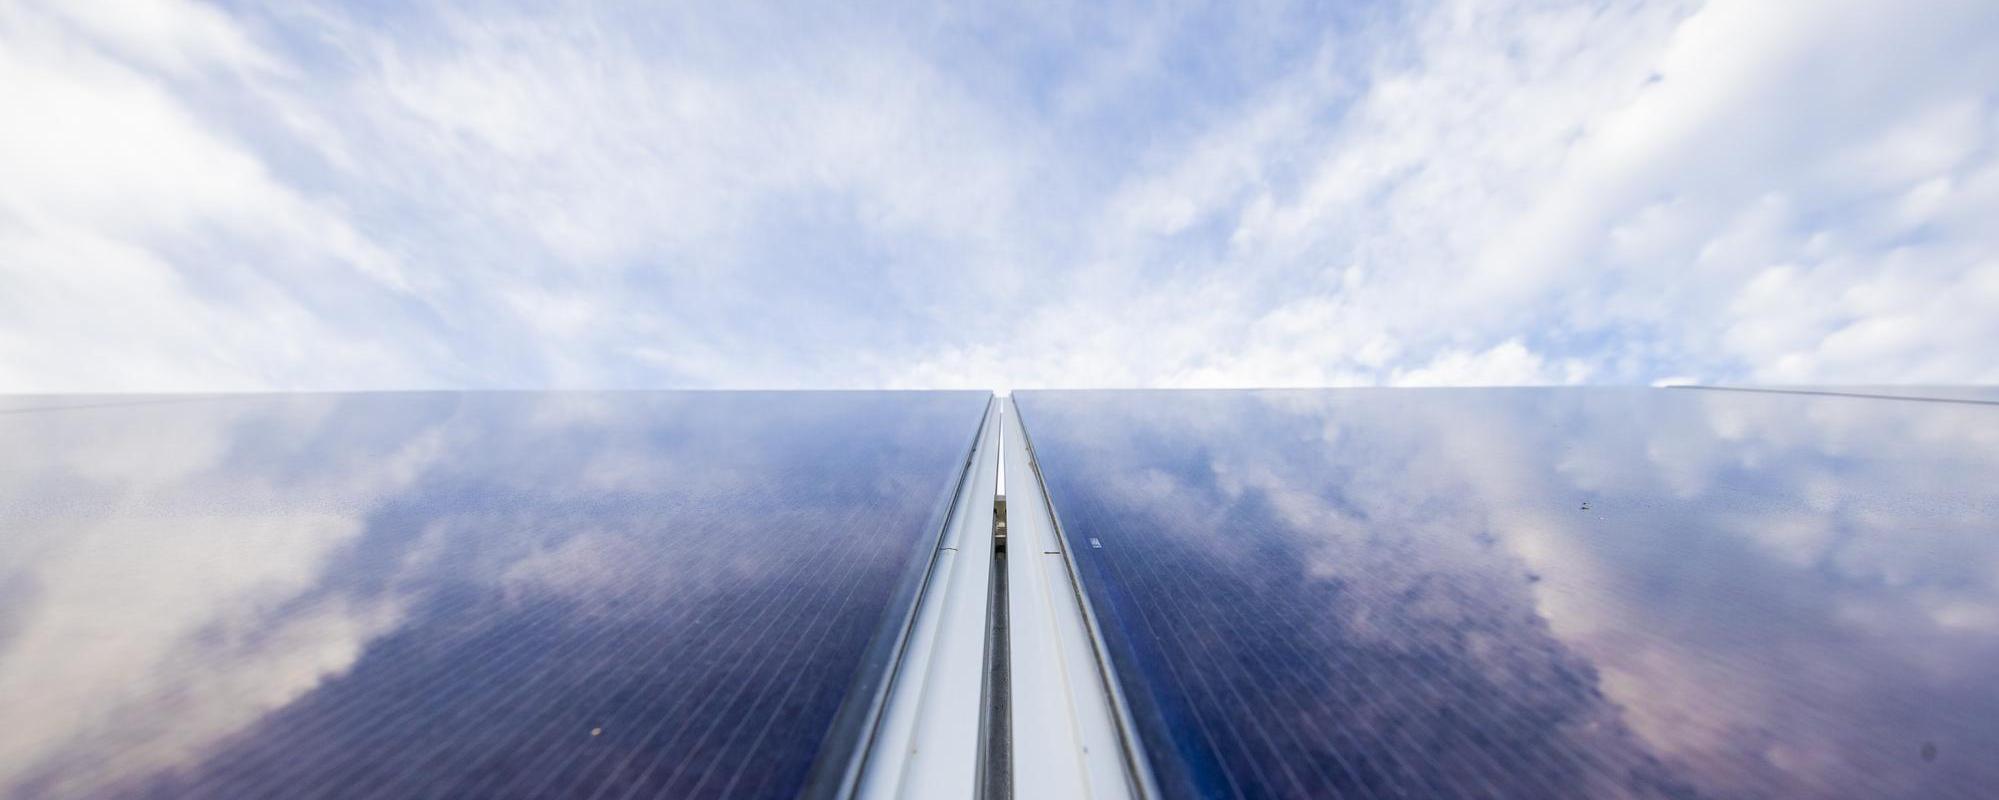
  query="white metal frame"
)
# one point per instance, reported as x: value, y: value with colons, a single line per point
x: 1065, y: 715
x: 926, y: 743
x: 1067, y: 740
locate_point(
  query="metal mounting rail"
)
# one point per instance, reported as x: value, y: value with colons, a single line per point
x: 1067, y: 738
x: 927, y: 742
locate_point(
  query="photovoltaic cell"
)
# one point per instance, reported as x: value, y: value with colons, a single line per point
x: 469, y: 595
x: 1540, y: 593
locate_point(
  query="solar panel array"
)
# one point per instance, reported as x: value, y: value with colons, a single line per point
x: 590, y: 595
x: 1399, y: 594
x: 1565, y: 593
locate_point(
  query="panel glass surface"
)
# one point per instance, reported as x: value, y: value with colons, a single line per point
x: 472, y: 595
x: 1540, y: 593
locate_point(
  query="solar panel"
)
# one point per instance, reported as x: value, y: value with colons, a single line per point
x: 395, y: 595
x: 1539, y: 593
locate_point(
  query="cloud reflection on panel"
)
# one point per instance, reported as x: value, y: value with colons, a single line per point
x: 1541, y: 594
x: 155, y: 572
x: 415, y: 593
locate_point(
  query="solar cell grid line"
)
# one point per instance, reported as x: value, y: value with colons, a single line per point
x: 1181, y: 685
x: 1173, y: 671
x: 1476, y: 711
x: 377, y: 720
x: 1426, y: 646
x: 1198, y: 603
x: 1384, y: 575
x: 543, y: 719
x: 484, y: 726
x: 1257, y: 739
x: 734, y: 721
x: 762, y: 625
x: 1346, y: 765
x: 1406, y: 745
x: 1261, y: 741
x: 511, y: 580
x: 671, y: 667
x: 741, y: 720
x: 639, y: 669
x: 784, y: 697
x: 1541, y: 787
x: 1411, y: 775
x: 340, y: 778
x: 1476, y: 746
x: 410, y: 697
x: 502, y: 666
x: 713, y: 720
x: 1368, y: 677
x: 792, y: 686
x: 765, y: 624
x: 446, y: 750
x: 708, y: 768
x: 1478, y: 715
x: 491, y: 671
x: 494, y: 783
x: 1471, y: 709
x: 766, y: 617
x: 1432, y: 709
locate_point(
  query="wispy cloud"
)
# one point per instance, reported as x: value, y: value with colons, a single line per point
x: 315, y: 196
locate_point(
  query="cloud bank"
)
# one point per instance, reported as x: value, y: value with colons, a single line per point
x: 230, y: 196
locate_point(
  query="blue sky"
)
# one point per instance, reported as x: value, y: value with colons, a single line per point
x: 346, y: 196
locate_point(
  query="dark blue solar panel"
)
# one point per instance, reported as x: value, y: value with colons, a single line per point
x: 1540, y: 593
x: 587, y: 595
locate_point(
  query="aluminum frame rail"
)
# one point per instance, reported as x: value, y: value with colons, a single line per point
x: 927, y: 741
x: 1006, y: 611
x: 1069, y: 737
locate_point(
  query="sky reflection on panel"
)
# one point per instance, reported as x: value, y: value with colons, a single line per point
x: 387, y: 594
x: 1540, y: 593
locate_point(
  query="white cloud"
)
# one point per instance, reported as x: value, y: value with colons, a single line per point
x: 124, y: 216
x: 174, y: 36
x: 314, y: 197
x: 1508, y: 363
